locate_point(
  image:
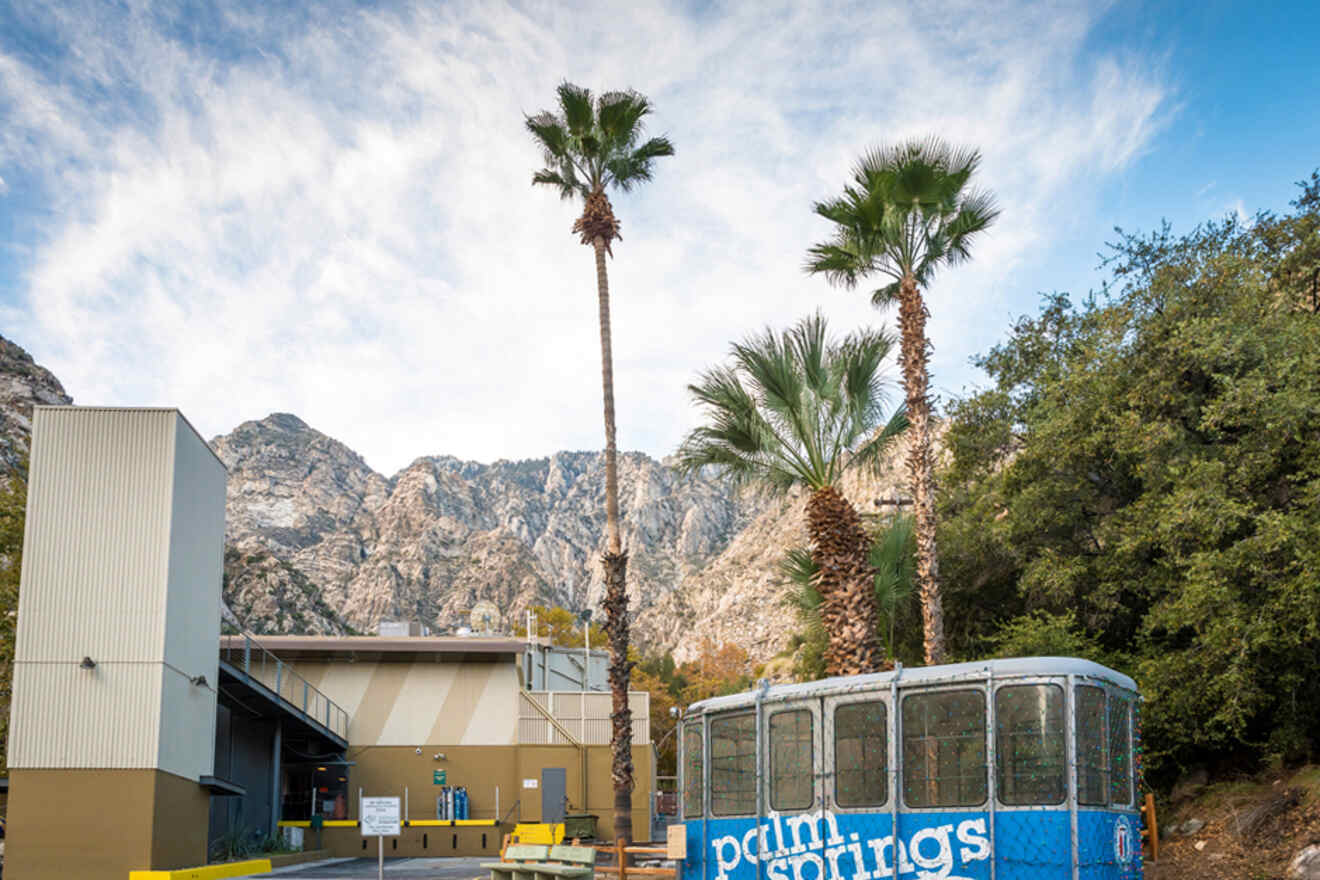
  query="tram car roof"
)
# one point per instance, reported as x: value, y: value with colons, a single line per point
x: 918, y: 676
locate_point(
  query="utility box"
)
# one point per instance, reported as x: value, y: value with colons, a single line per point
x: 581, y: 826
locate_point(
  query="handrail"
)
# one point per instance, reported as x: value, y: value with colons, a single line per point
x: 315, y: 705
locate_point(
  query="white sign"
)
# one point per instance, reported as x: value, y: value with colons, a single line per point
x: 530, y: 783
x: 380, y: 816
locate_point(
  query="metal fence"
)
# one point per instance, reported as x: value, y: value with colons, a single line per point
x: 244, y: 653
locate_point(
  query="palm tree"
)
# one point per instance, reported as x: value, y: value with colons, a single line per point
x: 908, y: 212
x: 794, y: 409
x: 590, y: 145
x: 892, y: 565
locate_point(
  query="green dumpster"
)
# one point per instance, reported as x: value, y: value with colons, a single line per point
x: 580, y: 825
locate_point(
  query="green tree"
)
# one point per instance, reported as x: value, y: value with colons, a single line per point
x: 13, y: 507
x: 589, y: 145
x: 561, y: 626
x: 1142, y: 482
x: 893, y: 563
x: 796, y: 408
x: 909, y: 211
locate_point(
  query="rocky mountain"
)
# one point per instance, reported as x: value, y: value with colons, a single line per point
x: 431, y: 541
x: 318, y: 542
x: 23, y: 385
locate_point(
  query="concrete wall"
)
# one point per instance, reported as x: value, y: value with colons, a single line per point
x: 407, y: 703
x: 101, y: 825
x: 387, y: 771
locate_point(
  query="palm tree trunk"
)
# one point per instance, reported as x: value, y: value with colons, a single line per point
x: 615, y: 564
x: 846, y: 584
x: 914, y: 353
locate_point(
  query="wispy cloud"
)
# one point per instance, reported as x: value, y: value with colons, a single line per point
x: 329, y: 211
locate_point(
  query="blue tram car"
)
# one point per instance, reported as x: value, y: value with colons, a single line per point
x: 1021, y: 769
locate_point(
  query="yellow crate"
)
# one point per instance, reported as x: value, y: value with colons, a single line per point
x: 541, y: 833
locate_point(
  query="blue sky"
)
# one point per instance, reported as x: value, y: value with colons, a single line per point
x: 325, y: 209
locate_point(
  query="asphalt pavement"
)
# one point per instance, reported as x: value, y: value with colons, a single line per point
x: 395, y: 869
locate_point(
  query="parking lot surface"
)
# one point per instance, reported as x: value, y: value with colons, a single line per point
x: 395, y: 869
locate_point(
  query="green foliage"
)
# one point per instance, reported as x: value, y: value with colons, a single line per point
x: 594, y: 143
x: 562, y: 627
x: 893, y: 557
x: 908, y: 211
x: 1042, y: 634
x: 13, y: 507
x: 1142, y: 482
x: 793, y: 408
x: 716, y: 671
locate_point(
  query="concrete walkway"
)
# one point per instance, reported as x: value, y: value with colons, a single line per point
x: 395, y: 869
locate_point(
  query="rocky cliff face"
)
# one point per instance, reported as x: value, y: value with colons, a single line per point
x: 318, y: 542
x: 442, y: 534
x: 23, y: 385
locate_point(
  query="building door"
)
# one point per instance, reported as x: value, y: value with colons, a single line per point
x: 553, y: 793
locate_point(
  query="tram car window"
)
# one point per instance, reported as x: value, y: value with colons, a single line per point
x: 792, y: 778
x: 694, y: 788
x: 861, y: 754
x: 944, y: 749
x: 1030, y: 745
x: 733, y: 765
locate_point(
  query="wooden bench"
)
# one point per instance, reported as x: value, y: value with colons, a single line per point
x: 523, y: 862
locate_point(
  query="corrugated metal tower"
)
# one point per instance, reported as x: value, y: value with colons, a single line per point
x: 114, y: 704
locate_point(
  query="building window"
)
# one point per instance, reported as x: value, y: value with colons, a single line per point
x: 733, y: 765
x: 944, y: 749
x: 693, y: 784
x: 1029, y: 745
x: 861, y: 754
x: 1120, y: 752
x: 792, y: 778
x: 1092, y: 746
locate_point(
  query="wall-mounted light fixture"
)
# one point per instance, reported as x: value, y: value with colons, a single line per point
x: 87, y: 663
x: 199, y: 680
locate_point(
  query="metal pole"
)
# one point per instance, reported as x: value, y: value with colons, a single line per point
x: 275, y: 792
x: 991, y: 761
x: 894, y: 751
x: 1070, y: 706
x: 761, y: 687
x: 380, y: 857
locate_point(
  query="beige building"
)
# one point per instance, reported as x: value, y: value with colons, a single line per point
x: 140, y: 737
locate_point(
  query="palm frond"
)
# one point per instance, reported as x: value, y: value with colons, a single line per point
x: 907, y: 211
x: 885, y: 296
x: 592, y: 143
x: 871, y: 453
x: 789, y: 406
x: 575, y: 102
x: 566, y: 183
x: 619, y: 115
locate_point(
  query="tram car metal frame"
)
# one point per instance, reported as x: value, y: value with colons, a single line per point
x: 1020, y: 769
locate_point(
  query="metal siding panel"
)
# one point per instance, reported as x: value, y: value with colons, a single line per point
x: 97, y: 536
x: 187, y: 726
x: 192, y: 614
x: 102, y: 718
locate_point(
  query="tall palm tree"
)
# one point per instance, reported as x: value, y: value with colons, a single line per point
x: 796, y: 408
x: 590, y: 145
x: 908, y: 211
x: 893, y: 568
